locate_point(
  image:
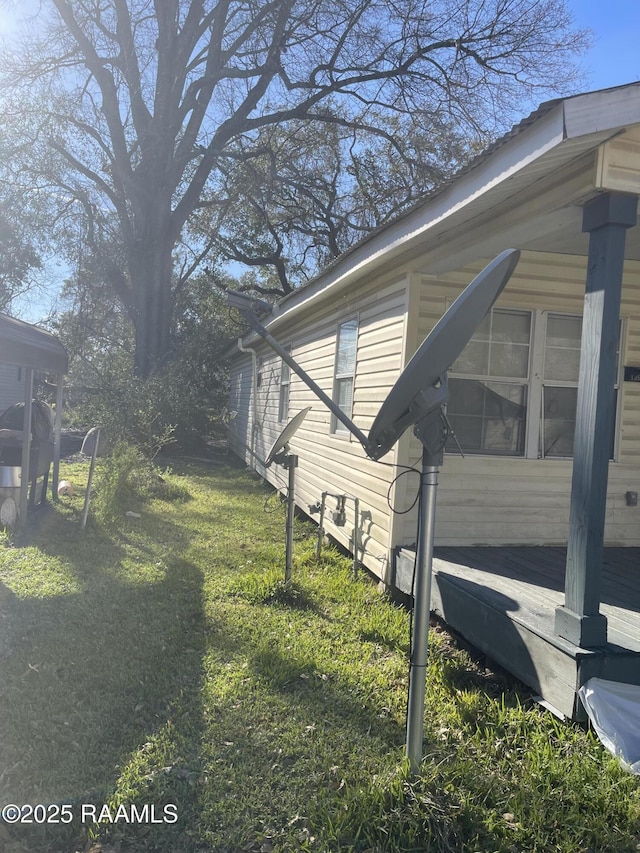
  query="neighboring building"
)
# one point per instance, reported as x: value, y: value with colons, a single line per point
x: 513, y: 391
x: 26, y: 351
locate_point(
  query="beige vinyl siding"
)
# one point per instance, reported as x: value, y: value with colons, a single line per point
x: 240, y: 408
x: 495, y: 500
x: 335, y: 462
x: 481, y: 500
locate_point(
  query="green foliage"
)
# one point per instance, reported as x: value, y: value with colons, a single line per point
x: 115, y: 488
x: 130, y: 410
x: 269, y: 587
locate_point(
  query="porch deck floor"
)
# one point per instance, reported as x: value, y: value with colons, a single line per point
x: 530, y: 583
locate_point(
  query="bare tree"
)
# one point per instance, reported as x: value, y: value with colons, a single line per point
x: 293, y: 201
x: 138, y: 109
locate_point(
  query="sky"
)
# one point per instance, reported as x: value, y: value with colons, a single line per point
x: 613, y: 59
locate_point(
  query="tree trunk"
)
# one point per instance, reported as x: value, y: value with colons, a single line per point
x: 151, y: 280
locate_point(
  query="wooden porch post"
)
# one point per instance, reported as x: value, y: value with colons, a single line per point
x: 606, y: 218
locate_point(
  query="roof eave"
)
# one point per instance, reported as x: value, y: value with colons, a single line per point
x: 26, y: 345
x: 553, y: 123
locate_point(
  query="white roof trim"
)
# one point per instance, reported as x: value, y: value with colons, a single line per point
x: 604, y: 110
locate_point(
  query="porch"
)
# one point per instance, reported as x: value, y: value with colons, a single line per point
x: 503, y: 601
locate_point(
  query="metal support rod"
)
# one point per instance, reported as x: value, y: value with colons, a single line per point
x: 291, y: 463
x: 286, y: 357
x: 421, y: 611
x: 321, y: 526
x: 57, y: 439
x: 356, y: 535
x: 26, y: 446
x: 87, y: 496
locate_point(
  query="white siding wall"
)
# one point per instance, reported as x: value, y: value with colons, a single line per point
x: 241, y: 407
x: 481, y: 499
x: 331, y: 462
x: 11, y: 387
x: 493, y: 501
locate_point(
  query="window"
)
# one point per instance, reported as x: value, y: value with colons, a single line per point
x: 560, y: 385
x: 487, y: 409
x: 285, y: 384
x: 345, y: 371
x: 514, y: 388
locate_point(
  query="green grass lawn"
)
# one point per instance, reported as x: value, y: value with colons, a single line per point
x: 162, y: 662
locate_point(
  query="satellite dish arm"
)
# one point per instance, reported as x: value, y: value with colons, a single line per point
x: 287, y: 358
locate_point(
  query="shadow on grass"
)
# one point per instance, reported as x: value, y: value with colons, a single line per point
x: 97, y: 680
x: 310, y: 693
x: 158, y: 689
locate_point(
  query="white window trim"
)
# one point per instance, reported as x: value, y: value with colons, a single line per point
x: 337, y: 429
x: 282, y: 383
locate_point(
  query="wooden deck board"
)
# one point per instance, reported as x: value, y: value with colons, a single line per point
x: 504, y: 599
x: 534, y: 578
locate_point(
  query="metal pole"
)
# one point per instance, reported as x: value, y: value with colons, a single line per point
x: 356, y: 535
x: 291, y: 463
x: 321, y: 527
x: 85, y: 509
x: 26, y: 447
x: 57, y: 438
x: 421, y: 611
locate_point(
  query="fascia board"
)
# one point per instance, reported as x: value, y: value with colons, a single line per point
x: 604, y: 110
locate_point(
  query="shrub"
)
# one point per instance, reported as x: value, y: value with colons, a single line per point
x: 127, y: 478
x: 115, y: 486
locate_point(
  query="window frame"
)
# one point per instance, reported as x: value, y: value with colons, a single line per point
x: 337, y: 428
x: 565, y: 383
x: 535, y: 384
x: 284, y: 390
x: 523, y: 381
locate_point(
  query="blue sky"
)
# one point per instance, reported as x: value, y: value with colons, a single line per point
x: 614, y: 58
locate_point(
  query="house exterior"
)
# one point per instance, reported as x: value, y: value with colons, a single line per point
x: 514, y: 389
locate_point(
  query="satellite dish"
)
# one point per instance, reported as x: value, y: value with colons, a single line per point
x: 417, y: 390
x: 280, y: 453
x: 282, y: 441
x: 417, y: 398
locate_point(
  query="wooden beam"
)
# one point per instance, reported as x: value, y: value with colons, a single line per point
x: 606, y: 218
